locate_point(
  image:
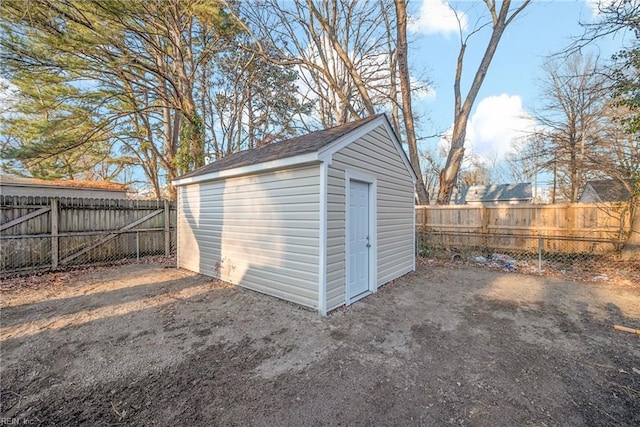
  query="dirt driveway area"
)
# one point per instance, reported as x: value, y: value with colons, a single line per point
x: 148, y: 345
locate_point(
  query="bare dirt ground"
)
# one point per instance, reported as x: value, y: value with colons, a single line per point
x: 148, y: 345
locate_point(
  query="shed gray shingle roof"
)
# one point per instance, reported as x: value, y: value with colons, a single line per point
x: 304, y: 144
x: 495, y: 193
x: 610, y: 190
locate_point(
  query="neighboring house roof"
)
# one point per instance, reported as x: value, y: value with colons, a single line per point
x: 58, y: 183
x: 302, y: 149
x: 605, y: 190
x: 501, y: 193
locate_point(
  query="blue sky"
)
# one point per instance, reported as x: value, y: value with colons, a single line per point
x: 510, y: 88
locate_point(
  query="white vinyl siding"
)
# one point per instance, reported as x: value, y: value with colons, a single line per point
x: 336, y: 243
x: 374, y: 154
x: 261, y: 230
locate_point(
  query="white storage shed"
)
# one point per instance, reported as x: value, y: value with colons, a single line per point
x: 321, y: 220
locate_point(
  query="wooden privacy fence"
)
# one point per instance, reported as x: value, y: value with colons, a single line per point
x: 519, y: 227
x: 39, y: 232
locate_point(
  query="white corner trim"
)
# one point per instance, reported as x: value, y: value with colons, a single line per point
x: 353, y: 175
x: 373, y: 236
x: 322, y: 241
x: 258, y: 167
x: 415, y: 249
x: 178, y: 234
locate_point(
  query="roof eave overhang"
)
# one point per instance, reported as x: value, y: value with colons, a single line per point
x: 299, y: 160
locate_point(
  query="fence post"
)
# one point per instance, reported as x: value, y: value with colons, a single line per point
x: 484, y: 228
x: 55, y: 253
x: 540, y: 243
x: 167, y: 229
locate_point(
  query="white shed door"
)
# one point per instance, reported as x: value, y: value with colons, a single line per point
x: 358, y: 256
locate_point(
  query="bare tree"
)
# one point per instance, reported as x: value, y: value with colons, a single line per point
x: 475, y: 171
x: 407, y: 110
x: 500, y: 19
x: 574, y: 97
x: 339, y: 48
x: 432, y: 160
x: 623, y: 16
x: 352, y: 56
x: 528, y: 159
x: 617, y: 156
x: 252, y: 102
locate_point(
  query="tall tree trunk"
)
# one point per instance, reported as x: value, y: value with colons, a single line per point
x: 450, y: 172
x: 573, y: 174
x: 555, y: 181
x: 393, y: 69
x: 329, y: 28
x: 407, y: 111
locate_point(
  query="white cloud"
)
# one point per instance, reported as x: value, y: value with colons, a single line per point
x: 497, y: 121
x: 594, y: 6
x: 437, y: 17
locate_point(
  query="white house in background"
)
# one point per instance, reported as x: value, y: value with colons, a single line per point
x: 20, y: 186
x: 604, y: 190
x: 321, y: 220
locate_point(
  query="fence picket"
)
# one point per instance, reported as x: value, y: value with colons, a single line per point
x: 44, y: 232
x: 603, y: 220
x: 502, y: 224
